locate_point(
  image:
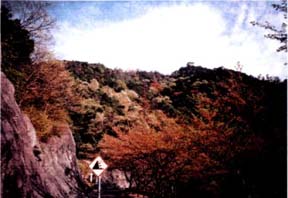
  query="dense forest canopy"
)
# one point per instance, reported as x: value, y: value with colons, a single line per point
x: 193, y: 127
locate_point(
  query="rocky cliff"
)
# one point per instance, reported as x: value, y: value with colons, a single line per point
x: 30, y: 168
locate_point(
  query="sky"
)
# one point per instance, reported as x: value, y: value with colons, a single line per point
x: 164, y: 35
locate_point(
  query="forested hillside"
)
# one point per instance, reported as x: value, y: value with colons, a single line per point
x: 206, y: 131
x: 197, y: 132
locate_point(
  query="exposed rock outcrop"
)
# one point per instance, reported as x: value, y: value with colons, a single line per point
x: 117, y: 178
x: 31, y: 169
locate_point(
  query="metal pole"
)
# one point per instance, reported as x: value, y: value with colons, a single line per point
x: 99, y: 187
x: 91, y: 177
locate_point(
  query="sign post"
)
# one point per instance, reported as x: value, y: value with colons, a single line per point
x: 98, y: 166
x: 91, y: 177
x: 99, y: 186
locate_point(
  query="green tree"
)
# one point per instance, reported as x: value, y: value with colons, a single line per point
x: 16, y: 47
x: 34, y: 17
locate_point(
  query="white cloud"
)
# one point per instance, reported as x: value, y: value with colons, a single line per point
x: 166, y: 38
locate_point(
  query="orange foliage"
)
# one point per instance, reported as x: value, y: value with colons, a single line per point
x: 155, y: 159
x: 157, y: 153
x: 49, y: 89
x: 223, y: 136
x: 46, y: 96
x: 156, y: 85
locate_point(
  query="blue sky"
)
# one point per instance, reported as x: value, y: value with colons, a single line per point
x: 164, y: 35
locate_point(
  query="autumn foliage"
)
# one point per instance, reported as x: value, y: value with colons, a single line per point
x: 207, y: 148
x: 46, y: 95
x: 156, y: 162
x: 152, y: 160
x: 43, y: 88
x: 199, y: 132
x: 49, y: 88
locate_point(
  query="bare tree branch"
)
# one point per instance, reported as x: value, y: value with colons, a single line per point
x: 34, y: 17
x: 280, y: 33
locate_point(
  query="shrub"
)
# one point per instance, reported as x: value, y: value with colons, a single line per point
x: 40, y: 120
x: 93, y: 85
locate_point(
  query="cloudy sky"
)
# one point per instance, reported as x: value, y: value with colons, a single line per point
x: 164, y: 35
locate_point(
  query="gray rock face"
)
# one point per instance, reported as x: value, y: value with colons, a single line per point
x: 116, y: 177
x: 31, y: 169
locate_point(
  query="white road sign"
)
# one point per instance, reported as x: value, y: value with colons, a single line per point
x: 98, y: 166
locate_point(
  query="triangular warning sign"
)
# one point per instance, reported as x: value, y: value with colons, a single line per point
x: 98, y: 165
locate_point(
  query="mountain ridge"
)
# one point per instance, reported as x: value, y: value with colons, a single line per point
x: 245, y: 114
